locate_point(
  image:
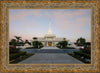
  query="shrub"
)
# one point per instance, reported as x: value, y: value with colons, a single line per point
x: 29, y: 48
x: 87, y: 51
x: 77, y: 53
x: 37, y: 44
x: 70, y: 48
x: 16, y: 55
x: 14, y: 50
x: 62, y: 44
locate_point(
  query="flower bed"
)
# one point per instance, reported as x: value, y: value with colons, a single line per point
x: 81, y: 54
x: 17, y: 56
x: 86, y: 58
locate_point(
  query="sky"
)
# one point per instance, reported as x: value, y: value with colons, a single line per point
x: 69, y: 23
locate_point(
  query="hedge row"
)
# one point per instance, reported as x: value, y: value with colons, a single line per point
x: 87, y: 51
x: 14, y: 50
x: 16, y: 55
x: 82, y: 54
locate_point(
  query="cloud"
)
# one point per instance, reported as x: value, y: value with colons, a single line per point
x: 69, y: 21
x: 74, y: 21
x: 22, y: 14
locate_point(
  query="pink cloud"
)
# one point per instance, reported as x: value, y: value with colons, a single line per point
x: 62, y: 20
x: 22, y: 14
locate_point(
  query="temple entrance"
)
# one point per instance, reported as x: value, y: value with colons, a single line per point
x: 49, y: 43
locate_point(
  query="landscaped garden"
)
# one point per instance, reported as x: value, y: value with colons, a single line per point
x: 84, y: 54
x: 36, y: 45
x: 16, y: 56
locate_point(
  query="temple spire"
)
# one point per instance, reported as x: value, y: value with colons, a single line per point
x: 49, y: 31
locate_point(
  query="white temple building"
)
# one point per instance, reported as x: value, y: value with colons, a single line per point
x: 49, y: 39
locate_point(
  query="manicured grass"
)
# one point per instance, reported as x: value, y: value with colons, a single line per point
x: 81, y: 56
x: 16, y: 56
x: 20, y: 58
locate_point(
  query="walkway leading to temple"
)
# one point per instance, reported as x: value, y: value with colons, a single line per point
x: 51, y: 58
x: 52, y: 50
x: 49, y: 48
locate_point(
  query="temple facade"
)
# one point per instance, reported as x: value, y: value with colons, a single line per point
x: 49, y: 39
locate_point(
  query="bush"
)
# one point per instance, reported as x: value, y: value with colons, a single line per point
x: 87, y: 51
x: 37, y: 44
x: 29, y: 47
x: 62, y: 44
x: 14, y: 50
x: 69, y: 48
x: 16, y: 55
x: 77, y: 53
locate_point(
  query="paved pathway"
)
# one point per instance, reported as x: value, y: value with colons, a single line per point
x: 49, y: 48
x: 51, y: 58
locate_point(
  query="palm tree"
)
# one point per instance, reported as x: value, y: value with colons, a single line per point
x: 18, y: 38
x: 21, y: 40
x: 13, y: 42
x: 64, y: 39
x: 35, y: 38
x: 26, y: 41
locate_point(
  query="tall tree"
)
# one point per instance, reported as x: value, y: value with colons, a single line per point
x: 62, y: 44
x: 35, y: 38
x: 13, y: 42
x: 64, y: 39
x: 37, y: 44
x: 81, y: 41
x: 18, y: 38
x: 26, y: 41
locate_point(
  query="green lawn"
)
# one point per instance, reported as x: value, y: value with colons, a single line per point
x: 15, y: 55
x: 20, y: 58
x: 84, y: 57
